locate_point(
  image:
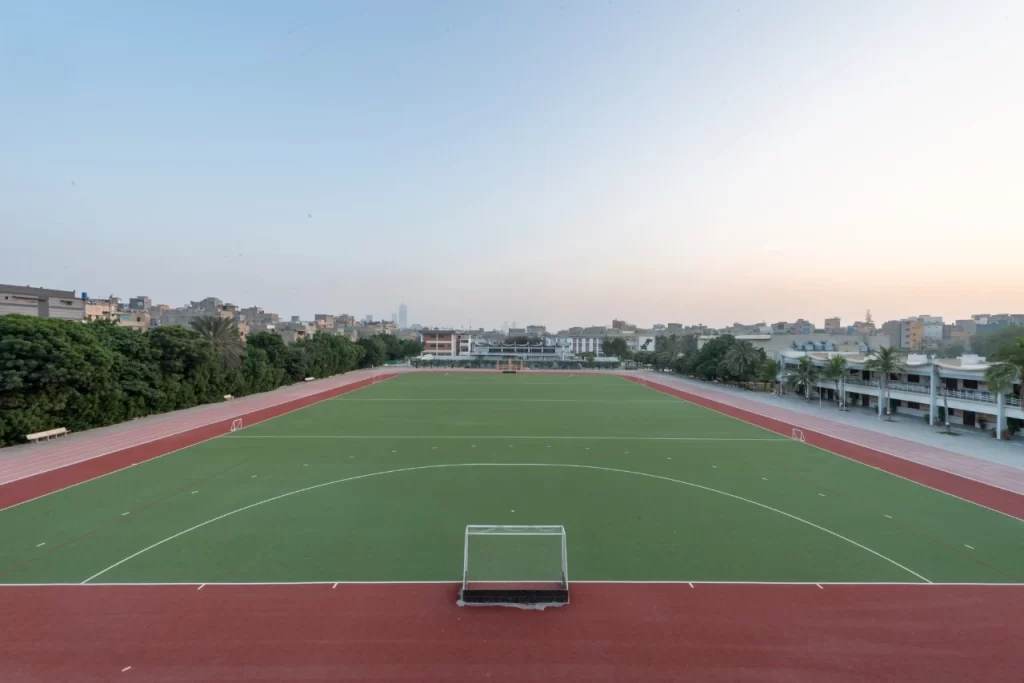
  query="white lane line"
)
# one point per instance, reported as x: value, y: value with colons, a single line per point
x: 691, y: 583
x: 334, y: 586
x: 667, y: 582
x: 516, y: 436
x: 969, y: 546
x: 127, y: 668
x: 495, y: 464
x: 819, y: 586
x: 200, y: 587
x: 41, y: 544
x: 665, y: 401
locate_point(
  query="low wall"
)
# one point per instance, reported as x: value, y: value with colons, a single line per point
x: 47, y: 482
x: 998, y: 499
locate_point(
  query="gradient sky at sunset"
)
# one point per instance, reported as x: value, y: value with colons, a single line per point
x: 545, y: 162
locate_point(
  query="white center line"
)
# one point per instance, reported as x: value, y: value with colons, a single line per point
x: 969, y: 546
x: 41, y: 544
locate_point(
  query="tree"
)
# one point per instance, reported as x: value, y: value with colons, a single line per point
x: 990, y: 344
x: 223, y: 334
x: 375, y: 352
x: 806, y: 374
x: 741, y: 360
x: 767, y: 371
x: 616, y: 346
x: 886, y: 361
x: 1001, y: 377
x: 835, y: 370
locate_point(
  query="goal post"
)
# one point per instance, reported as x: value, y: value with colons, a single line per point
x: 520, y: 566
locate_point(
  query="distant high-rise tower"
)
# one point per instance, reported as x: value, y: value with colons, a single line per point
x: 867, y: 317
x: 394, y: 318
x: 403, y: 317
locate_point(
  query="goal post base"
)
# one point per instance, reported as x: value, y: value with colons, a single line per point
x: 514, y: 597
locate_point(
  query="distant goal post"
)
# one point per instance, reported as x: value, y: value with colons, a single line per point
x: 798, y: 434
x: 236, y: 424
x: 518, y: 566
x: 510, y: 365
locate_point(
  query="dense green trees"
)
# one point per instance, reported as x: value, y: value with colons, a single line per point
x: 615, y: 346
x: 57, y: 373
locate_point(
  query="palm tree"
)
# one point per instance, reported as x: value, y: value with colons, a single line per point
x: 1000, y: 377
x: 835, y: 370
x: 767, y: 370
x: 886, y: 361
x: 741, y: 360
x: 223, y: 334
x: 806, y: 373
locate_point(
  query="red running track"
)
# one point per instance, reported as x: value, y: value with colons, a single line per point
x: 1002, y: 500
x: 408, y: 632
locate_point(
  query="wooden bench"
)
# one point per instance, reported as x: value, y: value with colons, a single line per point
x: 47, y: 435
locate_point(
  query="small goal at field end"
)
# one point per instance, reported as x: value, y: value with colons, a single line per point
x: 514, y: 566
x: 511, y: 365
x: 798, y: 434
x: 236, y: 424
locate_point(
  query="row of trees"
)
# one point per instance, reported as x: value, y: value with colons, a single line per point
x: 58, y: 373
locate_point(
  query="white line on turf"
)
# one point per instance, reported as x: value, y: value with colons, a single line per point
x: 822, y: 495
x: 188, y: 584
x: 41, y: 544
x: 516, y: 436
x: 494, y: 464
x: 888, y: 517
x: 668, y: 400
x: 969, y: 546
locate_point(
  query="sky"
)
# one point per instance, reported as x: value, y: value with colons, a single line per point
x: 556, y: 163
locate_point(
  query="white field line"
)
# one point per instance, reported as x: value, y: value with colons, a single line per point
x: 568, y: 466
x: 491, y: 436
x: 457, y: 582
x: 656, y: 386
x: 162, y: 455
x: 666, y: 401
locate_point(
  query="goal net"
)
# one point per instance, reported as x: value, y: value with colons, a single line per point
x: 798, y: 434
x: 520, y: 566
x: 510, y: 365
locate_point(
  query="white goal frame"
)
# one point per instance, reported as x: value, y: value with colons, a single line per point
x: 518, y: 596
x: 798, y: 434
x: 236, y: 424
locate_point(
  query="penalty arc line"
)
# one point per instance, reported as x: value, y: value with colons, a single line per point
x: 566, y: 466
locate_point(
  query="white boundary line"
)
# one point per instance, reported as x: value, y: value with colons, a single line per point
x: 457, y: 582
x: 491, y: 436
x: 567, y: 466
x: 666, y: 401
x: 840, y: 455
x: 162, y: 455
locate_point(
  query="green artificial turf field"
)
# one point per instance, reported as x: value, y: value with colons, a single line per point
x: 379, y: 484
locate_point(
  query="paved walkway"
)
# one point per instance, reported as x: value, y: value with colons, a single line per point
x: 26, y: 460
x: 974, y: 456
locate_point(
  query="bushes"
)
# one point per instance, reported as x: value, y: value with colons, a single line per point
x: 60, y: 373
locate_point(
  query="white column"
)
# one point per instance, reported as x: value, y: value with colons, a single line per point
x: 1000, y: 415
x: 933, y: 399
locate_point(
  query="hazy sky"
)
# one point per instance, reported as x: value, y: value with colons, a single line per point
x: 544, y: 162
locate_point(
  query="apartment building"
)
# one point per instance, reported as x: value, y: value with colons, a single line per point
x: 40, y: 302
x: 446, y: 343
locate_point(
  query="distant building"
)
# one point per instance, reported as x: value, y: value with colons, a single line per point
x: 833, y: 325
x: 446, y: 343
x: 324, y: 321
x: 403, y: 317
x: 41, y: 303
x: 535, y: 331
x: 139, y: 303
x: 344, y: 320
x: 394, y: 318
x: 619, y: 324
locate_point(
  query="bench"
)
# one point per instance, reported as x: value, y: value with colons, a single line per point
x: 47, y: 435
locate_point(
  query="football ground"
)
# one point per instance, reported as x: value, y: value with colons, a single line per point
x: 376, y: 487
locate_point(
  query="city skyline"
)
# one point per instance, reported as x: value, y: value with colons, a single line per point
x: 548, y: 163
